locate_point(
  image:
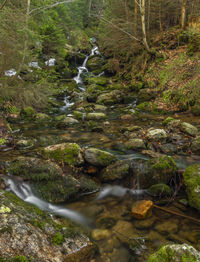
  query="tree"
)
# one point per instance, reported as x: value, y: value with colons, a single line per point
x: 183, y: 14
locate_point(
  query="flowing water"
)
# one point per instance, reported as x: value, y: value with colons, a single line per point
x: 129, y: 239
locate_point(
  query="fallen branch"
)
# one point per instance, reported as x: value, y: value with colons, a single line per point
x: 177, y: 214
x: 3, y: 4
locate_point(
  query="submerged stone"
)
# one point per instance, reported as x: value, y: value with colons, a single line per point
x: 175, y: 253
x: 191, y: 179
x: 98, y: 157
x: 100, y: 234
x: 69, y: 153
x: 142, y: 209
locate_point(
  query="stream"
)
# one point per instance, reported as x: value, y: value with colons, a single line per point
x: 129, y: 239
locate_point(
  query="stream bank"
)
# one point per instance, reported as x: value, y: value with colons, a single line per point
x: 98, y: 137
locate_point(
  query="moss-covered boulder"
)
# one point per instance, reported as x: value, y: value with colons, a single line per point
x: 189, y: 129
x: 102, y: 81
x: 146, y: 95
x: 156, y: 134
x: 98, y: 157
x: 113, y: 97
x: 27, y: 112
x: 46, y: 178
x: 95, y: 63
x: 154, y: 171
x: 160, y: 190
x: 41, y: 117
x: 195, y: 146
x: 68, y: 153
x: 29, y: 234
x: 167, y: 120
x: 191, y: 179
x: 118, y: 170
x: 175, y: 253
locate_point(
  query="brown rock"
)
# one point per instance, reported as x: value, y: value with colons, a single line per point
x: 142, y: 209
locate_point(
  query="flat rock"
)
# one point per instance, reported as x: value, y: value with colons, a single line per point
x: 142, y: 209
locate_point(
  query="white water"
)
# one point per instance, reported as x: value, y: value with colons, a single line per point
x: 24, y: 192
x: 67, y: 105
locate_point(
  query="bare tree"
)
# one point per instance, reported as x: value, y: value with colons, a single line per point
x: 183, y: 14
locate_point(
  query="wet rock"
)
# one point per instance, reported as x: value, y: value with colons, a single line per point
x: 28, y: 232
x: 191, y: 179
x: 46, y: 178
x: 118, y: 170
x: 169, y: 148
x: 167, y: 227
x: 24, y: 144
x: 95, y: 63
x: 99, y: 234
x: 41, y: 117
x: 67, y: 121
x: 142, y: 209
x: 106, y: 222
x: 113, y: 97
x: 195, y: 146
x: 135, y: 144
x: 189, y: 129
x: 96, y: 116
x: 174, y: 253
x: 69, y: 153
x: 98, y: 157
x: 156, y: 134
x: 160, y: 190
x: 124, y: 231
x: 154, y: 171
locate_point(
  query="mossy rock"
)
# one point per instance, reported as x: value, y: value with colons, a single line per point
x: 189, y: 129
x: 135, y: 144
x: 102, y: 81
x: 145, y: 106
x: 2, y: 141
x: 98, y: 157
x: 175, y: 253
x: 118, y: 170
x: 167, y: 120
x: 195, y: 146
x: 160, y: 190
x: 41, y: 117
x: 113, y: 97
x: 27, y: 112
x: 96, y: 116
x: 191, y: 179
x: 68, y: 153
x: 196, y: 110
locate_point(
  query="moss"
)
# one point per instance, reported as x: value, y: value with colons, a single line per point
x: 165, y: 163
x: 27, y: 112
x: 144, y: 106
x: 160, y: 189
x: 104, y: 158
x: 163, y: 255
x: 57, y: 239
x: 167, y: 120
x: 2, y: 141
x: 19, y: 259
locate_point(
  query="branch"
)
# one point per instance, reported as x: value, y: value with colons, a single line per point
x: 127, y: 33
x: 50, y: 6
x: 3, y: 4
x: 137, y: 3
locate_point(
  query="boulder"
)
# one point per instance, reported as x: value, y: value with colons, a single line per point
x: 95, y: 63
x: 189, y: 129
x: 113, y: 97
x: 98, y: 157
x: 135, y: 144
x: 95, y: 116
x: 68, y: 153
x: 156, y: 134
x: 67, y: 121
x: 191, y: 178
x: 118, y: 170
x: 160, y: 190
x: 41, y: 117
x: 175, y: 253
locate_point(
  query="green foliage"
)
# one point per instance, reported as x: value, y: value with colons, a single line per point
x: 57, y: 239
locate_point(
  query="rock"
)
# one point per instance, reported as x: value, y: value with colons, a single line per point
x: 154, y: 171
x: 69, y: 153
x: 41, y: 117
x: 27, y: 112
x: 79, y: 115
x: 67, y: 121
x: 169, y: 148
x: 189, y: 129
x: 113, y: 97
x: 167, y: 120
x: 98, y: 157
x: 126, y: 117
x: 102, y: 81
x: 173, y: 124
x: 167, y: 227
x: 156, y: 134
x: 106, y: 222
x: 146, y: 94
x: 99, y: 234
x: 160, y: 190
x: 27, y: 232
x: 24, y: 144
x: 191, y: 178
x: 95, y: 63
x: 96, y: 116
x: 145, y: 223
x: 142, y: 209
x: 196, y: 110
x: 118, y: 170
x: 124, y: 230
x: 100, y: 108
x: 195, y: 146
x: 175, y: 253
x: 46, y: 177
x: 135, y: 144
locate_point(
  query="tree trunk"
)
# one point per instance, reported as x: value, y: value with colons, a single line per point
x: 135, y: 19
x: 142, y: 14
x: 183, y: 14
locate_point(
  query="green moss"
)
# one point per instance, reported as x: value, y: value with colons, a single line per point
x: 165, y: 163
x: 27, y: 112
x: 167, y: 120
x: 2, y: 141
x: 57, y: 239
x: 163, y: 255
x: 104, y: 158
x: 144, y: 106
x: 19, y: 259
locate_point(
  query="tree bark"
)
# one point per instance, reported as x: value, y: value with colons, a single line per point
x: 183, y: 14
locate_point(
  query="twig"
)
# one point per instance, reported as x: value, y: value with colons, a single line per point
x: 3, y: 4
x: 177, y: 214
